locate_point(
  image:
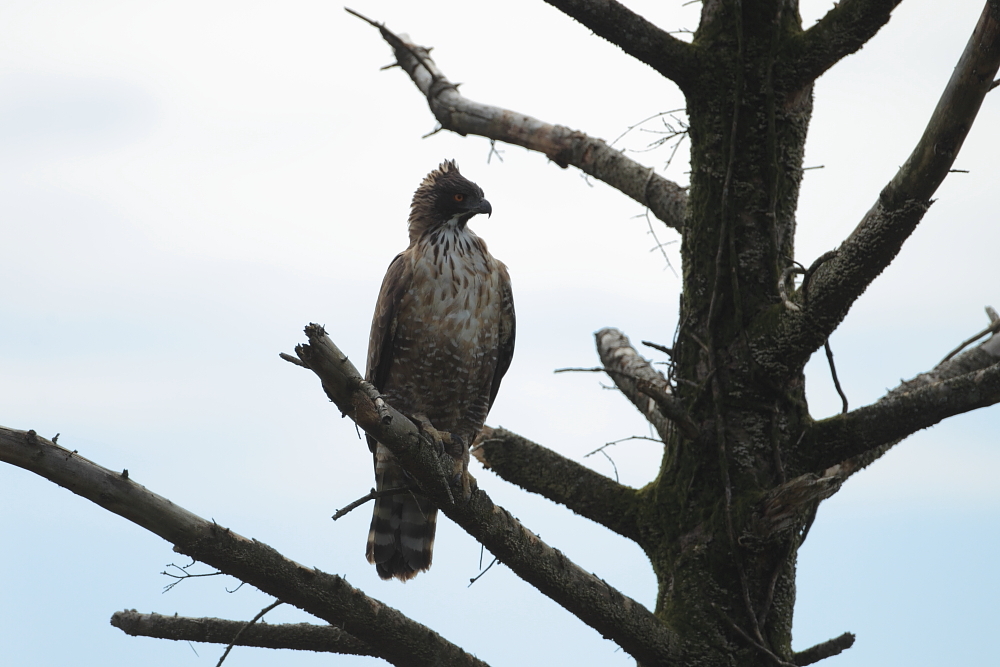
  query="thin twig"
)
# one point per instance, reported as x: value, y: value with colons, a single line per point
x: 819, y: 261
x: 254, y: 620
x: 659, y: 246
x: 292, y: 360
x: 494, y: 151
x: 669, y: 351
x: 615, y: 442
x: 372, y: 495
x: 833, y: 372
x: 993, y: 328
x: 186, y: 575
x: 782, y: 284
x: 476, y: 578
x: 752, y: 641
x: 644, y: 120
x: 611, y: 461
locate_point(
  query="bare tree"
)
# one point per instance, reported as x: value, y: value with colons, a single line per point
x: 744, y: 465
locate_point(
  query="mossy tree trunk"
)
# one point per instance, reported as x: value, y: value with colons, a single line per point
x: 728, y: 589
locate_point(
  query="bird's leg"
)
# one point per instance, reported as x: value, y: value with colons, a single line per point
x: 461, y: 477
x: 457, y: 450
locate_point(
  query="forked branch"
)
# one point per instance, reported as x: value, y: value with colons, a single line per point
x: 962, y: 384
x: 784, y: 343
x: 841, y: 32
x: 592, y: 600
x: 396, y: 638
x: 564, y: 146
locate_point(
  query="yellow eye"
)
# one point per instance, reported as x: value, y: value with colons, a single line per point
x: 459, y: 196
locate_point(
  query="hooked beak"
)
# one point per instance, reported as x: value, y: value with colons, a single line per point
x: 484, y: 207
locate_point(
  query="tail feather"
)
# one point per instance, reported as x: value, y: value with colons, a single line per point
x: 401, y: 538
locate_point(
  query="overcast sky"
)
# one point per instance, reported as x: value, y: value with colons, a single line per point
x: 185, y: 185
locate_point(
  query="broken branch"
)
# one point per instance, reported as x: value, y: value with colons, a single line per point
x: 564, y: 146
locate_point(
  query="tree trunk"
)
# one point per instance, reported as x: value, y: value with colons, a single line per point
x: 731, y: 593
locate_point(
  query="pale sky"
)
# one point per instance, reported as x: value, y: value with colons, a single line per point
x: 186, y: 185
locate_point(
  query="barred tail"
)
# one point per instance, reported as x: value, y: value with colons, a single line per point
x: 401, y: 538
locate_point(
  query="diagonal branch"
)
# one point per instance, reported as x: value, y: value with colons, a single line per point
x: 562, y: 480
x: 592, y: 600
x: 297, y: 636
x: 399, y: 640
x: 783, y: 340
x: 962, y: 384
x: 636, y: 36
x: 642, y: 384
x: 564, y: 146
x: 844, y: 30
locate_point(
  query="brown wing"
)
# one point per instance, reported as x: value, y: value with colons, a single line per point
x: 507, y: 330
x: 383, y: 333
x: 380, y: 341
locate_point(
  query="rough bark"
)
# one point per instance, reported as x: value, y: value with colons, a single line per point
x: 540, y: 470
x: 846, y: 28
x: 399, y: 640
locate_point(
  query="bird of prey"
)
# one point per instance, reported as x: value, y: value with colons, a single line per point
x: 442, y: 338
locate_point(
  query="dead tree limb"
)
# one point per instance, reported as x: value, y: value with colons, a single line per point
x: 666, y: 199
x: 540, y: 470
x: 636, y: 36
x: 296, y: 636
x: 782, y: 344
x: 842, y: 31
x: 642, y: 384
x: 914, y: 405
x: 978, y: 358
x: 396, y: 638
x: 592, y: 600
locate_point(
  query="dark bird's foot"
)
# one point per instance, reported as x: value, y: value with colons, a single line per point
x: 441, y: 439
x: 461, y: 479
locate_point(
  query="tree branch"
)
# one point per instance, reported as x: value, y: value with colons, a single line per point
x: 844, y: 30
x: 636, y: 36
x: 783, y: 340
x: 642, y: 384
x: 592, y: 600
x: 540, y: 470
x: 827, y: 649
x: 962, y: 384
x: 666, y: 199
x: 397, y: 639
x: 297, y: 636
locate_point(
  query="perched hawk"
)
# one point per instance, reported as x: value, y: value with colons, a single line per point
x: 442, y: 338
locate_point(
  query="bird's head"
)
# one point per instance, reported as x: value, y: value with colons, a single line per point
x: 445, y: 196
